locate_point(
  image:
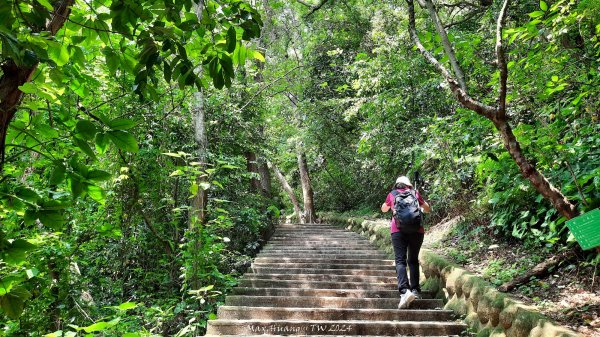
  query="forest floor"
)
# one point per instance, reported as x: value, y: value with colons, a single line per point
x: 570, y: 294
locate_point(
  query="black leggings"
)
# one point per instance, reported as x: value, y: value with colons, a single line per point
x: 402, y: 243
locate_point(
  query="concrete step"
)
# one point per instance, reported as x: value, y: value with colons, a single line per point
x: 322, y: 277
x: 264, y: 283
x: 379, y: 262
x: 345, y: 256
x: 335, y: 243
x: 322, y: 247
x: 327, y: 302
x: 332, y: 248
x: 333, y: 327
x: 231, y: 312
x: 353, y: 293
x: 360, y: 272
x: 329, y: 265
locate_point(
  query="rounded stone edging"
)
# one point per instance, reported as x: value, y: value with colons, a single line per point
x: 485, y: 310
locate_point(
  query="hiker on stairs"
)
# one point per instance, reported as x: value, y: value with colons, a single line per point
x: 407, y: 234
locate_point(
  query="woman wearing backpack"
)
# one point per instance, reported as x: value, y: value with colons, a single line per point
x: 407, y: 236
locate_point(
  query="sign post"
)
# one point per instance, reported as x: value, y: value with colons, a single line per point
x: 586, y: 229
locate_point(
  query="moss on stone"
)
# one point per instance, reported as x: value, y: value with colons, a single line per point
x: 458, y: 305
x: 498, y: 332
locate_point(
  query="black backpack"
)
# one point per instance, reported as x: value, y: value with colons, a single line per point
x: 407, y: 211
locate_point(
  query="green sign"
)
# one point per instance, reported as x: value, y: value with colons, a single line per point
x: 586, y: 229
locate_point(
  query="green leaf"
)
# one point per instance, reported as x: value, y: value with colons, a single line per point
x: 121, y: 124
x: 536, y: 14
x: 58, y: 174
x: 31, y: 273
x: 100, y: 326
x: 257, y: 55
x: 543, y: 5
x: 97, y: 193
x: 123, y: 141
x: 27, y: 194
x: 58, y: 53
x: 51, y: 218
x: 86, y: 129
x: 46, y: 4
x: 98, y: 175
x: 193, y: 190
x: 231, y: 39
x: 101, y: 142
x: 127, y: 306
x: 13, y: 303
x: 85, y: 148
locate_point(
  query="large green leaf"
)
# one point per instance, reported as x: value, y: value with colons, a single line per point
x: 97, y: 193
x: 123, y: 140
x: 98, y: 175
x: 58, y: 53
x: 86, y: 129
x: 13, y: 303
x: 121, y: 124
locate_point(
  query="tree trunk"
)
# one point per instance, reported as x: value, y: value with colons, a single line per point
x: 197, y: 216
x: 252, y: 168
x: 307, y: 191
x: 14, y: 76
x: 528, y: 170
x: 265, y: 179
x: 290, y: 192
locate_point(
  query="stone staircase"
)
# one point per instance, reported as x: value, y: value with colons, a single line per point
x: 314, y: 279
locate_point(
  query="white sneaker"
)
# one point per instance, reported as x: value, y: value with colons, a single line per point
x: 406, y: 299
x: 416, y: 293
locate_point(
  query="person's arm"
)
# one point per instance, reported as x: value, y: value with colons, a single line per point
x: 385, y: 208
x: 423, y: 203
x: 426, y: 207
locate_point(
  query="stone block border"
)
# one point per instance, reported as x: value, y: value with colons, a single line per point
x: 487, y: 312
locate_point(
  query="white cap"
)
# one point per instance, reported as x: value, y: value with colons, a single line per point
x: 404, y: 180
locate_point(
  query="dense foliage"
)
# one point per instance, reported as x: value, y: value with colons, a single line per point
x: 102, y: 159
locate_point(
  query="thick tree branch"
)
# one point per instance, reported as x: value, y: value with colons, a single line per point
x: 460, y: 77
x: 14, y: 76
x: 501, y: 56
x: 462, y: 96
x: 313, y: 8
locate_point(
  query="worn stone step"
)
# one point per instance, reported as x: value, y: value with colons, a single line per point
x: 322, y: 245
x: 260, y: 270
x: 333, y: 250
x: 237, y: 312
x: 322, y: 277
x: 353, y: 293
x: 315, y: 238
x: 265, y: 283
x: 333, y: 243
x: 333, y: 255
x: 379, y: 262
x: 329, y: 265
x: 333, y: 327
x: 328, y: 302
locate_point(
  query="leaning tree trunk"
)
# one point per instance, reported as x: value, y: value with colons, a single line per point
x: 528, y: 170
x: 14, y: 76
x: 288, y: 189
x: 307, y: 191
x: 496, y: 114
